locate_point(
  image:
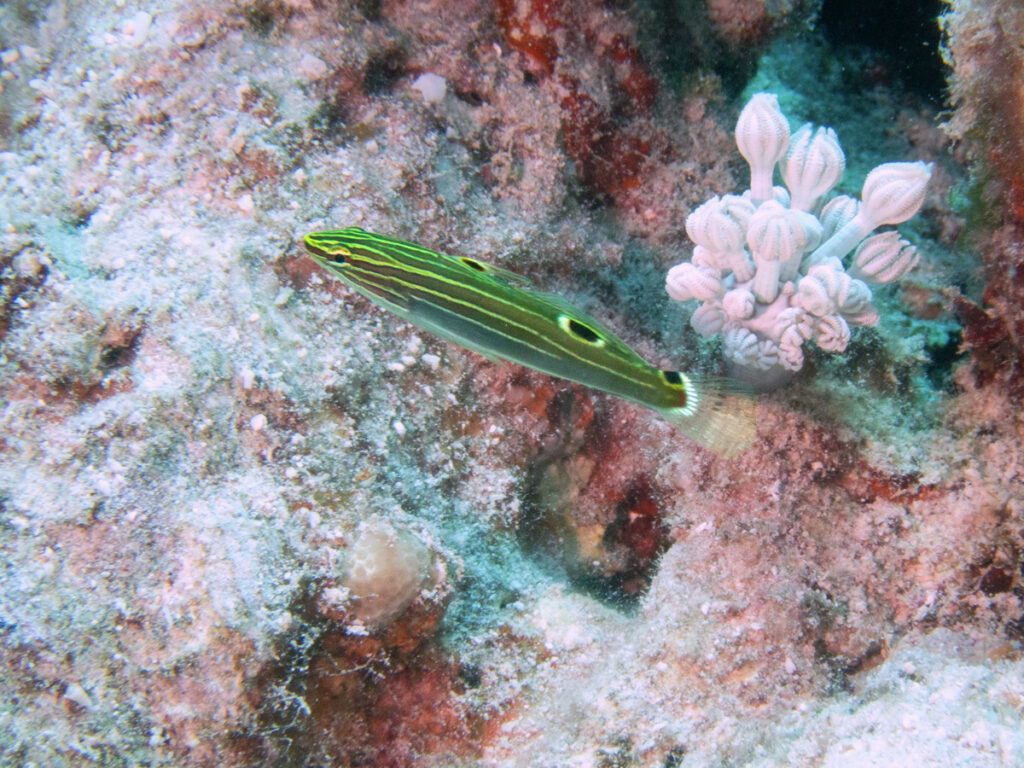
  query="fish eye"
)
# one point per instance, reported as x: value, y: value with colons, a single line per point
x: 326, y: 249
x: 336, y: 253
x: 473, y: 264
x: 579, y: 330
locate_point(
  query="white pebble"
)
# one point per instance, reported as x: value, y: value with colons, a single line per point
x: 27, y: 264
x: 398, y: 426
x: 312, y: 68
x: 257, y: 422
x: 246, y: 204
x: 76, y: 693
x: 432, y: 87
x: 431, y: 360
x: 136, y: 29
x: 283, y: 295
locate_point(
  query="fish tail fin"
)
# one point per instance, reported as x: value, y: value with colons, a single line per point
x: 718, y: 413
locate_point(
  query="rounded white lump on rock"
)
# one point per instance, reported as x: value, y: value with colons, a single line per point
x: 384, y: 572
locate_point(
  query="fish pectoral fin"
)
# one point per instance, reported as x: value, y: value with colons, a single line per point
x: 395, y: 301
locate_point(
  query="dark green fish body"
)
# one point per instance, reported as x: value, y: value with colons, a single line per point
x: 494, y: 312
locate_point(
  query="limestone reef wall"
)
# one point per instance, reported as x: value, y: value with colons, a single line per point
x: 249, y: 518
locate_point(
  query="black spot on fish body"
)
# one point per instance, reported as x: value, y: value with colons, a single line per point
x: 673, y: 378
x: 582, y: 331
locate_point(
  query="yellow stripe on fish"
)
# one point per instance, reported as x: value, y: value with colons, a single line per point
x: 495, y: 312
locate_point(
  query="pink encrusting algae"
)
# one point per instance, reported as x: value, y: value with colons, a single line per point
x: 248, y: 518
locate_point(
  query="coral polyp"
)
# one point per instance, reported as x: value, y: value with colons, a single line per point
x: 770, y: 265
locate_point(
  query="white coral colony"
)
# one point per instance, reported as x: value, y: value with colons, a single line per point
x: 767, y: 266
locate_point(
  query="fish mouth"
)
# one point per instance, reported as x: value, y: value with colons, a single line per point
x: 319, y: 254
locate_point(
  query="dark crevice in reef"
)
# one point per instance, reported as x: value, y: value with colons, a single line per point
x: 603, y: 539
x: 898, y: 42
x: 943, y: 361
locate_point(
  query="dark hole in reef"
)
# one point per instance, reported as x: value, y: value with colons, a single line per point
x: 29, y: 11
x: 260, y: 16
x: 116, y: 357
x: 835, y: 667
x: 682, y: 43
x: 383, y: 71
x: 109, y: 133
x: 473, y: 98
x: 1015, y: 629
x: 630, y: 548
x: 903, y: 33
x: 79, y: 218
x: 371, y: 9
x: 119, y: 348
x: 996, y: 580
x: 471, y: 675
x: 943, y: 359
x: 330, y: 120
x: 675, y: 756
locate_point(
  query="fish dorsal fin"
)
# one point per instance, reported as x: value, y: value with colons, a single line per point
x: 498, y: 273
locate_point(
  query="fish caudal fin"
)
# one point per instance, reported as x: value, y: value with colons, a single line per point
x: 720, y: 414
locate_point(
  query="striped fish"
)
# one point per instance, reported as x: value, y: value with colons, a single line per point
x: 496, y: 313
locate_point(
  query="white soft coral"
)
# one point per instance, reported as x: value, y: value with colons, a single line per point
x: 767, y: 266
